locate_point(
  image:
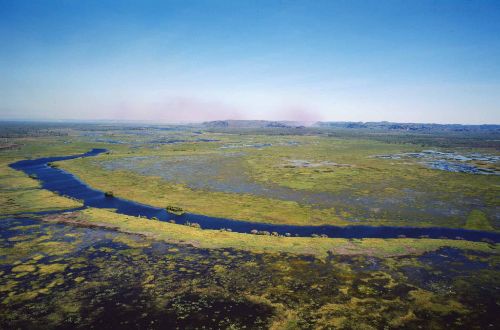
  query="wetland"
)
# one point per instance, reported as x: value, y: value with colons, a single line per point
x: 72, y: 277
x: 383, y: 242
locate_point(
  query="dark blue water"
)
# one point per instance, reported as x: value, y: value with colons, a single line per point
x: 65, y: 183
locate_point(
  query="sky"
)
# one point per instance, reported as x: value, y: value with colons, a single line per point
x: 192, y: 61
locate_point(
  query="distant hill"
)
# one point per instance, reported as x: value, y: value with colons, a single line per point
x: 251, y: 124
x: 382, y: 126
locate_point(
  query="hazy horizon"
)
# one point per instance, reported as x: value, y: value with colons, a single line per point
x: 156, y: 122
x: 194, y: 61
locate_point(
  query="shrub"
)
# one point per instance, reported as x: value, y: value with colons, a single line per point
x: 174, y: 209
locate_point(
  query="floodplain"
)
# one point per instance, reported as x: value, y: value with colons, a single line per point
x: 66, y: 265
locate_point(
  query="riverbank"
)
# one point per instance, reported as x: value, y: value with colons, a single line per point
x: 54, y: 179
x: 103, y: 266
x: 300, y: 184
x: 65, y: 276
x: 319, y: 247
x: 21, y: 194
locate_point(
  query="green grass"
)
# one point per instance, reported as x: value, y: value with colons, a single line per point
x: 157, y: 192
x: 409, y: 193
x: 319, y: 247
x: 477, y: 220
x: 67, y: 273
x: 352, y: 283
x: 21, y: 194
x: 370, y: 192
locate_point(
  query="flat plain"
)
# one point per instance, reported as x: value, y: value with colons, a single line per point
x: 85, y: 266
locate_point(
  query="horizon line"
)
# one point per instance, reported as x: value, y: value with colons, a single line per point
x: 156, y: 122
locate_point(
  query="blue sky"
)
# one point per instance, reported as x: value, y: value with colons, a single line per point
x: 171, y: 61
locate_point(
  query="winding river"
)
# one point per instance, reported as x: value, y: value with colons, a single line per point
x: 64, y: 183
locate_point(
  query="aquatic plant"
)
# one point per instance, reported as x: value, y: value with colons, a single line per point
x: 175, y: 209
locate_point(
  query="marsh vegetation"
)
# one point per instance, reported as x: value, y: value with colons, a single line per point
x: 62, y: 276
x: 94, y: 267
x: 320, y: 180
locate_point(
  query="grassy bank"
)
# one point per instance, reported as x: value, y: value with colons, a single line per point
x: 341, y: 182
x: 354, y: 187
x: 319, y: 247
x: 157, y: 192
x: 21, y: 194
